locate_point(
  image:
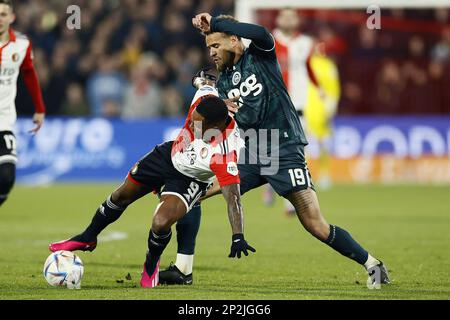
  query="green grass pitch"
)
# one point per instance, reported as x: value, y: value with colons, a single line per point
x: 407, y: 226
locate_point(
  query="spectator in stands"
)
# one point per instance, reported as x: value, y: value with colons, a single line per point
x: 110, y: 108
x: 107, y: 83
x: 441, y: 50
x: 190, y: 65
x: 172, y: 102
x: 389, y: 89
x: 368, y: 47
x: 75, y: 103
x: 125, y: 31
x: 142, y: 95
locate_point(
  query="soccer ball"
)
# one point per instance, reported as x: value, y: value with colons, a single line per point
x: 64, y: 268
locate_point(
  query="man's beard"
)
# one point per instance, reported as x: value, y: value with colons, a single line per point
x: 228, y: 62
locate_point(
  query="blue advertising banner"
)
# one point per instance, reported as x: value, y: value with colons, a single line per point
x: 97, y: 149
x: 398, y: 136
x: 84, y: 149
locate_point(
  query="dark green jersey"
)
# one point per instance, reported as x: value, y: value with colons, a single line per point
x: 264, y: 100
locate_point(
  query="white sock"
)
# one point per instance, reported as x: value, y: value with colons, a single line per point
x: 371, y: 262
x: 184, y: 263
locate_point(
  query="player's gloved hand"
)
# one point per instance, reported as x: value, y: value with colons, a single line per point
x: 239, y: 245
x: 204, y: 76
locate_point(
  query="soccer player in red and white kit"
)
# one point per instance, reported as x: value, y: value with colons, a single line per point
x: 181, y: 171
x: 15, y: 57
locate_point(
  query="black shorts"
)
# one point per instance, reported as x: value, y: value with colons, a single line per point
x: 292, y: 174
x: 7, y: 147
x: 156, y: 171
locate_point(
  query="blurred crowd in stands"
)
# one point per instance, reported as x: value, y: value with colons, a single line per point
x: 131, y: 58
x: 401, y: 69
x: 136, y: 58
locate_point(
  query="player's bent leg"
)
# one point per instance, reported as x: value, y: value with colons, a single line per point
x: 170, y: 209
x: 187, y: 230
x: 7, y: 179
x: 187, y: 233
x: 307, y: 207
x: 108, y: 212
x: 309, y: 214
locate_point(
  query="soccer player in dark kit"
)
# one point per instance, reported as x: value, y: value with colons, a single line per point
x: 253, y: 74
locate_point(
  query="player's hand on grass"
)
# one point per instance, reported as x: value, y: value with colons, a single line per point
x: 239, y: 245
x: 202, y: 22
x: 38, y: 120
x: 232, y: 105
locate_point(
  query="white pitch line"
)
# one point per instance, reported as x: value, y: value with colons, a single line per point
x: 111, y: 236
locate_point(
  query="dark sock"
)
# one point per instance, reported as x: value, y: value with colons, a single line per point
x: 106, y: 214
x: 341, y: 241
x: 187, y: 230
x: 7, y: 178
x: 157, y: 242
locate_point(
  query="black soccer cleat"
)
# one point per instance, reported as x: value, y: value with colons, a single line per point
x: 172, y: 275
x: 377, y: 275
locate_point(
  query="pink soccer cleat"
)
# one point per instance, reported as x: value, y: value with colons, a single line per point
x: 71, y: 245
x: 150, y: 281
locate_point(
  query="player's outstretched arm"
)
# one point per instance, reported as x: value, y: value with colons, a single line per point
x: 232, y: 196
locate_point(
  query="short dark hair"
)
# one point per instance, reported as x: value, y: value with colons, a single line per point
x: 213, y: 109
x: 228, y: 17
x: 8, y: 3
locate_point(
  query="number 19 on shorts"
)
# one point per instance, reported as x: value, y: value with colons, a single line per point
x: 299, y: 177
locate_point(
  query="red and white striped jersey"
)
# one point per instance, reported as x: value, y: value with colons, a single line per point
x: 15, y: 56
x: 202, y: 160
x: 293, y: 54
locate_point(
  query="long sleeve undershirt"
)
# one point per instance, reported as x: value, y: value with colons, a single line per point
x: 258, y: 34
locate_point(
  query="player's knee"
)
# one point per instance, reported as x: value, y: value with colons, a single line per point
x: 318, y: 228
x: 7, y: 178
x: 121, y: 198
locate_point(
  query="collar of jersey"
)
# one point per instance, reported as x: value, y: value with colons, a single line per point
x: 233, y: 67
x: 12, y: 35
x: 12, y: 38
